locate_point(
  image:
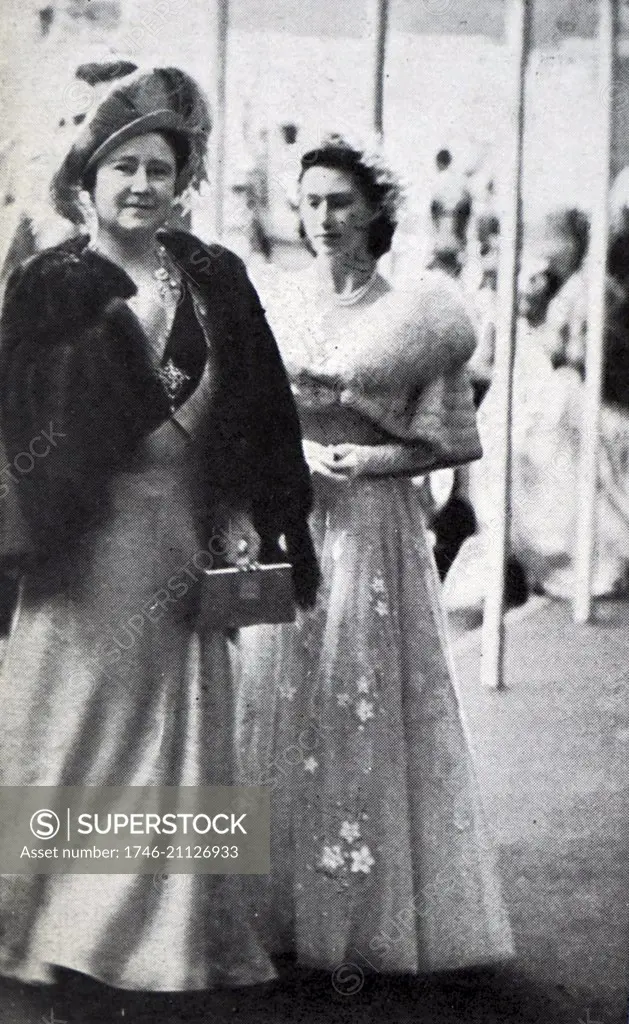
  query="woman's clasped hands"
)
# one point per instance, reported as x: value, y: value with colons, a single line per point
x: 341, y: 462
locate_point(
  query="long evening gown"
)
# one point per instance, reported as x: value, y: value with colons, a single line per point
x: 103, y: 685
x: 379, y: 855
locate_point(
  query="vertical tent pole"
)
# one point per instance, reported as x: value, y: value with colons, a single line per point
x: 378, y: 24
x: 597, y: 265
x: 219, y: 114
x: 493, y: 639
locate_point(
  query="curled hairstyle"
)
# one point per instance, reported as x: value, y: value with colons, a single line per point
x: 378, y: 184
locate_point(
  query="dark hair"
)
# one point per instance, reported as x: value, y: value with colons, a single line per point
x: 553, y: 284
x: 339, y: 156
x: 177, y: 143
x: 570, y: 225
x: 290, y: 132
x: 443, y: 159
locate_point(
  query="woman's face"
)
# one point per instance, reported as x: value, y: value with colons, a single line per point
x: 533, y: 290
x: 335, y: 215
x: 135, y: 185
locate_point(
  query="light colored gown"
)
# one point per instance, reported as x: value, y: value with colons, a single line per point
x: 380, y: 854
x: 104, y: 685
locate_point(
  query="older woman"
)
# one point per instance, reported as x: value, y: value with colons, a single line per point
x: 142, y: 361
x: 379, y: 856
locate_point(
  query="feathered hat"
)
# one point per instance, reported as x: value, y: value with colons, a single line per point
x: 160, y: 100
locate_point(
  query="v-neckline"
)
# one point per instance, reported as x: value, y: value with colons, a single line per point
x: 192, y: 355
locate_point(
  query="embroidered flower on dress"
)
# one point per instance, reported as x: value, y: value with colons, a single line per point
x: 287, y: 691
x: 350, y: 831
x: 343, y: 699
x: 311, y: 764
x: 362, y: 860
x: 363, y: 685
x: 364, y: 710
x: 332, y: 859
x: 379, y: 591
x: 378, y: 586
x: 338, y: 547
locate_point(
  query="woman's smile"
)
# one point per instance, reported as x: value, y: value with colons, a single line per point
x: 144, y: 211
x: 135, y: 185
x: 136, y: 204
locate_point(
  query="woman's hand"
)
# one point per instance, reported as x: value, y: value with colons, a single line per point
x: 319, y: 458
x: 241, y: 540
x: 338, y: 462
x: 344, y: 462
x: 348, y: 461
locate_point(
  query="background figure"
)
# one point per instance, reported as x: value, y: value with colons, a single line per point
x: 377, y: 818
x: 465, y: 247
x: 450, y: 212
x: 481, y: 286
x: 567, y: 317
x: 547, y: 404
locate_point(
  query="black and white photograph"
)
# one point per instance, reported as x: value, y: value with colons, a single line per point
x: 314, y: 512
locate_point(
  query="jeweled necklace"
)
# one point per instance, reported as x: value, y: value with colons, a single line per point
x: 168, y: 281
x: 170, y: 290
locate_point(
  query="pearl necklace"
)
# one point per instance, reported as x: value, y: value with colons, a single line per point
x: 358, y: 293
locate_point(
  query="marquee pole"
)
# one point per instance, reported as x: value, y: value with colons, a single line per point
x: 219, y: 132
x: 595, y: 335
x: 493, y: 634
x: 378, y: 22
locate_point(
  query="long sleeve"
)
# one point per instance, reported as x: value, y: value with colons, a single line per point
x: 402, y: 459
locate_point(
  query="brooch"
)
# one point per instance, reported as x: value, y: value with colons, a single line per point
x: 173, y: 380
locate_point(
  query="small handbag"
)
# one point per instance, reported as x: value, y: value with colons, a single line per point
x: 232, y: 598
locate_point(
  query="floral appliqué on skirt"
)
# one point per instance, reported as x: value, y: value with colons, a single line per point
x: 379, y: 850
